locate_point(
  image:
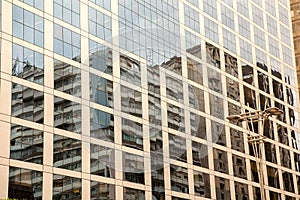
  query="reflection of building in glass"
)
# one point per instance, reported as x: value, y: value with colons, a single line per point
x: 129, y: 99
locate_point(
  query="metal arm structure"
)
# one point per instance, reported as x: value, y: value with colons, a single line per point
x: 255, y: 139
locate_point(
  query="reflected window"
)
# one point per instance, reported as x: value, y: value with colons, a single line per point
x: 250, y: 97
x: 174, y: 89
x: 214, y: 80
x: 133, y: 194
x: 220, y: 161
x: 28, y: 64
x: 101, y: 190
x: 25, y: 184
x: 157, y: 175
x: 130, y: 70
x: 28, y: 26
x: 66, y: 153
x: 216, y: 106
x: 102, y: 161
x: 198, y: 125
x: 66, y: 187
x: 211, y: 29
x: 132, y: 134
x: 237, y: 140
x: 196, y: 98
x: 285, y: 157
x: 288, y: 182
x: 131, y: 101
x: 270, y: 150
x: 195, y: 71
x: 67, y: 78
x: 212, y: 55
x: 102, y: 125
x: 275, y: 195
x: 100, y: 57
x: 99, y: 24
x: 67, y: 43
x: 179, y: 179
x: 201, y: 184
x: 176, y: 118
x: 177, y: 148
x: 254, y: 172
x: 241, y: 191
x: 67, y: 11
x: 67, y: 115
x: 101, y: 90
x: 239, y: 168
x: 192, y: 44
x: 233, y: 90
x: 26, y: 144
x: 218, y: 133
x: 200, y: 154
x: 27, y: 103
x: 273, y: 177
x: 133, y: 168
x: 191, y: 18
x: 231, y: 66
x: 222, y: 188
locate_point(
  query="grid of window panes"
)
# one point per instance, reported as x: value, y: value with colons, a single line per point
x: 149, y: 106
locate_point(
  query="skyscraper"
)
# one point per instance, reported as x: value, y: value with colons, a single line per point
x: 128, y: 99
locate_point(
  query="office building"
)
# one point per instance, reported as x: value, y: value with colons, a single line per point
x: 128, y: 99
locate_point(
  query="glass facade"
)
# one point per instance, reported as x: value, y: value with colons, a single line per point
x: 128, y: 99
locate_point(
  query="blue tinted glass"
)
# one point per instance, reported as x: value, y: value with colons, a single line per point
x: 17, y: 30
x: 17, y: 14
x: 28, y: 34
x: 76, y: 39
x: 58, y: 31
x: 28, y: 56
x: 39, y: 24
x: 39, y: 60
x: 17, y: 52
x: 57, y: 11
x: 75, y: 19
x: 67, y: 15
x: 58, y: 46
x: 28, y: 18
x: 75, y: 6
x: 39, y: 38
x: 68, y: 50
x: 39, y: 4
x: 67, y: 35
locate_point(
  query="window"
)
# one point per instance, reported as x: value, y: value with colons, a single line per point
x: 102, y: 125
x: 179, y: 179
x: 28, y: 64
x: 175, y: 118
x: 28, y: 26
x: 25, y: 184
x: 99, y: 24
x: 102, y: 190
x: 102, y: 161
x: 68, y: 11
x: 177, y: 148
x: 67, y: 153
x: 201, y: 184
x: 132, y: 134
x: 67, y: 78
x: 67, y: 115
x: 130, y: 70
x: 66, y: 187
x: 103, y: 3
x: 100, y: 57
x: 101, y: 90
x: 133, y: 168
x: 66, y: 43
x: 131, y: 101
x: 26, y: 144
x: 39, y: 4
x: 27, y: 103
